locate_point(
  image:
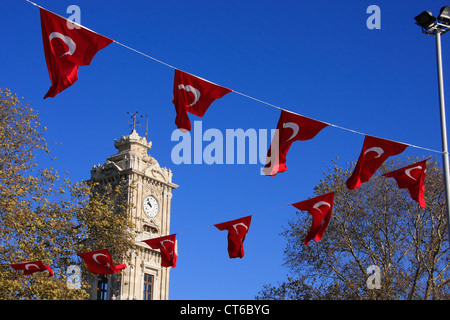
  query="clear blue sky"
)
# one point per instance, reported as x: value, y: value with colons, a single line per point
x: 316, y: 58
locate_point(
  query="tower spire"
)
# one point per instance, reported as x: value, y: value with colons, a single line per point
x: 134, y: 115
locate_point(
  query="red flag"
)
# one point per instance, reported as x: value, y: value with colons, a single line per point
x: 31, y: 267
x: 411, y: 177
x: 237, y: 231
x: 320, y: 208
x: 100, y: 262
x: 291, y: 127
x: 167, y: 246
x: 374, y: 152
x: 194, y: 95
x: 66, y: 48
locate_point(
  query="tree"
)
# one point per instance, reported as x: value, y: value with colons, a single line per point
x: 104, y: 222
x: 377, y: 227
x: 44, y: 217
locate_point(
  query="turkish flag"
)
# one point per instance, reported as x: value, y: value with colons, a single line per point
x: 66, y: 48
x: 320, y: 208
x: 100, y: 262
x: 237, y: 232
x: 30, y: 267
x: 291, y: 127
x: 167, y: 246
x: 194, y: 95
x: 412, y: 178
x: 374, y: 152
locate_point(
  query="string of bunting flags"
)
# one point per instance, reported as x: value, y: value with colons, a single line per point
x: 67, y: 48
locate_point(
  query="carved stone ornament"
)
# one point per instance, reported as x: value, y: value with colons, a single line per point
x: 108, y: 169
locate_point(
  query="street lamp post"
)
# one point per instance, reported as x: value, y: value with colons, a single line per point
x: 437, y: 27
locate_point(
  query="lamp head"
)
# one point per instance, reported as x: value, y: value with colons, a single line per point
x: 444, y: 15
x: 425, y: 19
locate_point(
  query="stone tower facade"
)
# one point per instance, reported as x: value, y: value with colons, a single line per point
x: 150, y: 200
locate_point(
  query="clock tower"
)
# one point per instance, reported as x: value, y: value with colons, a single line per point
x: 149, y: 199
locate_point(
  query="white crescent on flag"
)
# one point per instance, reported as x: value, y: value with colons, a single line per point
x: 321, y: 203
x: 94, y: 257
x: 408, y: 172
x: 378, y: 150
x: 162, y: 242
x: 294, y: 128
x: 67, y: 40
x: 189, y: 88
x: 239, y: 224
x: 27, y: 266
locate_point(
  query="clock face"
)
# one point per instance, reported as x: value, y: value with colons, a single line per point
x: 150, y: 206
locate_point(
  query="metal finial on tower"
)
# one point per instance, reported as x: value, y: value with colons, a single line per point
x: 146, y: 127
x: 134, y: 119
